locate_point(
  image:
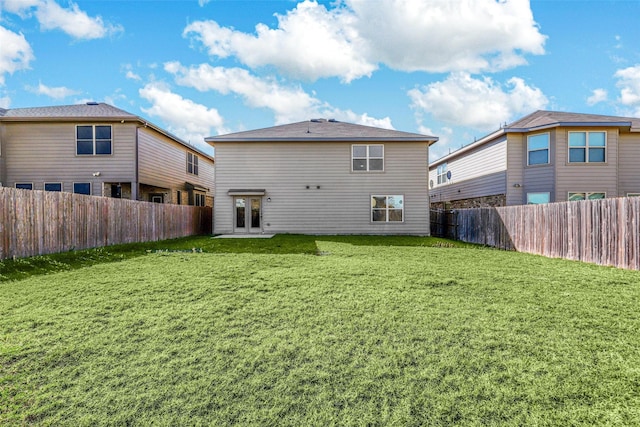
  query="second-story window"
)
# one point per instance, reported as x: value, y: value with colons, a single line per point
x: 192, y: 163
x: 538, y: 149
x: 587, y: 147
x: 442, y: 174
x: 93, y: 140
x: 367, y: 158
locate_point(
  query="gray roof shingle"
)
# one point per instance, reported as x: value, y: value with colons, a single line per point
x: 321, y: 130
x: 88, y: 110
x: 543, y: 118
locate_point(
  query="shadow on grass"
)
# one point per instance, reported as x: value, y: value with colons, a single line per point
x: 280, y: 244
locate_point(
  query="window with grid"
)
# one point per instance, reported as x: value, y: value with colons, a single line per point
x: 587, y: 147
x: 192, y: 163
x: 586, y: 196
x: 442, y: 173
x: 93, y: 140
x: 367, y: 158
x: 387, y: 208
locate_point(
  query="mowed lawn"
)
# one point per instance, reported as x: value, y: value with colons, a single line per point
x: 317, y: 331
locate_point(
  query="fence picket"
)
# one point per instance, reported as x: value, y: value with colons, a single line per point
x: 39, y: 222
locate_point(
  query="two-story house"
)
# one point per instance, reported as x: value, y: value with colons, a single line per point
x: 101, y: 150
x: 322, y: 177
x: 544, y: 157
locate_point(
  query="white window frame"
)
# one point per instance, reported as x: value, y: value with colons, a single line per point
x: 386, y: 209
x: 44, y: 187
x: 586, y: 147
x: 441, y: 174
x: 73, y: 188
x: 367, y: 157
x: 586, y: 195
x: 633, y: 194
x: 24, y: 183
x: 548, y: 149
x: 537, y: 193
x: 192, y: 163
x: 94, y: 140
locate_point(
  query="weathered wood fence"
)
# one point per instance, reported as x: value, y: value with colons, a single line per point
x: 605, y: 232
x: 44, y: 222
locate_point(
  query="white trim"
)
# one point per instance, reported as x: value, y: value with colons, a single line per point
x: 93, y: 127
x: 540, y: 149
x: 587, y: 146
x: 386, y: 209
x: 586, y: 194
x: 539, y: 192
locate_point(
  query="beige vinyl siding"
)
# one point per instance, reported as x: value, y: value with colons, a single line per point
x: 586, y: 177
x: 477, y: 173
x: 342, y: 204
x: 486, y: 185
x: 162, y: 163
x: 46, y: 152
x: 629, y: 164
x: 516, y: 159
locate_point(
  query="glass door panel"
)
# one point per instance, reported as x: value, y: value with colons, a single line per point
x: 240, y: 214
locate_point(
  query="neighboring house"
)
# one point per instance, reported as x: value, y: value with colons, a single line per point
x: 100, y: 150
x: 322, y: 177
x: 544, y: 157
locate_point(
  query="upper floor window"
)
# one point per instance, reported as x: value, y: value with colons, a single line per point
x: 586, y: 196
x: 366, y: 158
x: 538, y: 149
x: 442, y: 174
x: 587, y: 147
x: 387, y: 208
x: 192, y: 163
x: 92, y: 140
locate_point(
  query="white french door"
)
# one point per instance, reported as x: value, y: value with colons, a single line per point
x: 247, y: 214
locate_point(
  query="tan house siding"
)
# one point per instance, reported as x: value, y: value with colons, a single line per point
x: 162, y: 163
x: 312, y: 189
x: 478, y: 173
x: 586, y: 177
x: 629, y: 164
x: 516, y: 152
x: 56, y: 159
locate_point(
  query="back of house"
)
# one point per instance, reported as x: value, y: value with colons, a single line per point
x: 321, y: 177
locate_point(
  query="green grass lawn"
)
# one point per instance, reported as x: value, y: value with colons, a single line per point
x: 301, y: 330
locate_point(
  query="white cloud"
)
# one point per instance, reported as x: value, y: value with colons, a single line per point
x: 133, y: 76
x: 186, y: 119
x: 352, y: 38
x: 444, y: 35
x: 629, y: 85
x: 5, y: 102
x: 53, y: 92
x: 482, y: 104
x: 310, y: 42
x: 288, y: 104
x: 71, y: 20
x: 15, y: 54
x: 597, y: 96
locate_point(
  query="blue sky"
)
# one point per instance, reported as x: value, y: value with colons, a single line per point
x: 456, y: 69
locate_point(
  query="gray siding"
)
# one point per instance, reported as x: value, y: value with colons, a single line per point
x: 586, y: 177
x: 477, y: 173
x: 341, y: 204
x: 516, y: 152
x: 46, y: 152
x: 163, y: 164
x: 629, y: 164
x: 486, y: 185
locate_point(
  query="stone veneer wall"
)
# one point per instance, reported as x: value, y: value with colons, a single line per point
x: 493, y: 201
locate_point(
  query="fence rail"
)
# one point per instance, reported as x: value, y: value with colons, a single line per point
x: 605, y: 232
x: 43, y: 222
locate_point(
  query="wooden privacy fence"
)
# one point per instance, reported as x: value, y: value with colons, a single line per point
x: 605, y: 232
x: 44, y: 222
